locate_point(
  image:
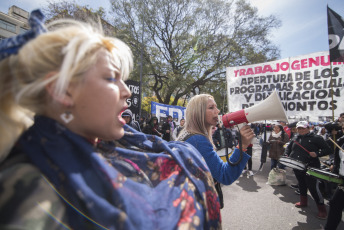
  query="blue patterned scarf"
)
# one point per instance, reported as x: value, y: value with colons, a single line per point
x: 146, y: 184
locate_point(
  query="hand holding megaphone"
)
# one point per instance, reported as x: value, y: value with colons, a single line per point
x: 246, y: 136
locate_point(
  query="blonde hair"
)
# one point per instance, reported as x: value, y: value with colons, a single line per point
x: 67, y: 51
x: 195, y: 116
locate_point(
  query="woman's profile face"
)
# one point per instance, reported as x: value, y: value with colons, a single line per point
x: 99, y: 99
x: 211, y: 116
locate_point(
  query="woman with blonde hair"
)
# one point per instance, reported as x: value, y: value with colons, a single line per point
x: 61, y: 90
x: 201, y: 116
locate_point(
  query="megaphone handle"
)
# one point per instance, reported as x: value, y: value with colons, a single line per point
x: 239, y: 126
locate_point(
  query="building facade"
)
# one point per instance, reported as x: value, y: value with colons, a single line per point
x: 14, y: 22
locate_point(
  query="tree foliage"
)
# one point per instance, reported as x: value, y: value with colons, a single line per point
x: 70, y: 9
x: 146, y: 103
x: 188, y: 44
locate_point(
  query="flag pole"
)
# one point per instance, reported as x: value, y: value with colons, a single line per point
x: 332, y: 91
x: 332, y: 103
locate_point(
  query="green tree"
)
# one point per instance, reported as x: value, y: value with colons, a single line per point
x: 146, y: 103
x: 70, y: 9
x: 188, y: 44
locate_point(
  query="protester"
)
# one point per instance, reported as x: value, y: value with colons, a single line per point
x: 277, y: 140
x: 248, y: 168
x: 127, y: 115
x: 52, y: 174
x: 308, y: 147
x: 223, y: 137
x: 142, y: 122
x: 335, y: 131
x: 257, y: 129
x: 152, y: 127
x: 201, y: 115
x: 337, y: 201
x: 285, y: 128
x: 177, y: 130
x: 293, y: 129
x: 235, y: 134
x: 323, y: 133
x: 167, y: 128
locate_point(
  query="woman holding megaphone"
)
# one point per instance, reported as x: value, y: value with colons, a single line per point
x: 201, y: 116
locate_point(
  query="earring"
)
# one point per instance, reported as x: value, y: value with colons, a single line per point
x: 67, y: 117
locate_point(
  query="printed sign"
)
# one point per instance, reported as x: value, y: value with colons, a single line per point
x: 133, y: 102
x: 162, y: 110
x: 303, y: 84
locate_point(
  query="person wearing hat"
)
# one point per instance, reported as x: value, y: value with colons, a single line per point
x: 127, y: 115
x: 307, y: 147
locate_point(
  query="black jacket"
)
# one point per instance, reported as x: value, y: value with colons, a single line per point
x: 310, y: 142
x: 151, y: 128
x: 166, y: 126
x: 227, y: 135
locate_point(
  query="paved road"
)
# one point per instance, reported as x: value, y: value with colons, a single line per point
x: 252, y: 204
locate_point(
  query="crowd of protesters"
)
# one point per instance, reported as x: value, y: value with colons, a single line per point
x: 282, y: 135
x: 67, y: 160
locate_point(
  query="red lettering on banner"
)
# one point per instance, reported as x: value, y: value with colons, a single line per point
x: 295, y: 65
x: 303, y: 63
x: 267, y: 68
x: 313, y: 61
x: 258, y: 69
x: 284, y: 66
x: 249, y: 71
x: 323, y: 63
x: 277, y: 68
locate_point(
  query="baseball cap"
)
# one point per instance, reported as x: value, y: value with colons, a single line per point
x: 302, y: 124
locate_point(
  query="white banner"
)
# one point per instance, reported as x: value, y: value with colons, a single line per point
x: 303, y: 84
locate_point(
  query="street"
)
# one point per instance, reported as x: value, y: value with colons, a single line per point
x: 250, y: 203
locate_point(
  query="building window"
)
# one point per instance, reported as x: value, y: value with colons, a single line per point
x: 7, y: 26
x: 22, y: 30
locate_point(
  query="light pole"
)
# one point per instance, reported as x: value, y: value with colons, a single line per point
x: 141, y: 65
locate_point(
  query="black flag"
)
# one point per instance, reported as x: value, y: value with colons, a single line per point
x: 134, y: 102
x: 335, y: 25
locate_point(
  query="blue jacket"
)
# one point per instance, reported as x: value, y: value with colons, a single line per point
x: 220, y: 170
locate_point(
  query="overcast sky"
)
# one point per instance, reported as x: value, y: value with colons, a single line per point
x: 303, y: 30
